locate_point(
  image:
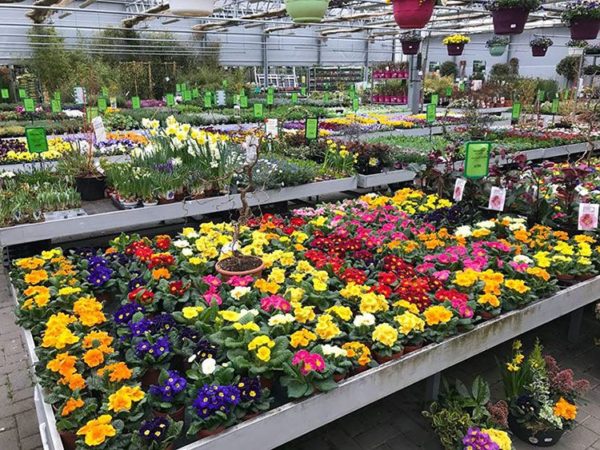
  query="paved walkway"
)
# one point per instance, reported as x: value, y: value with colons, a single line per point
x: 394, y: 423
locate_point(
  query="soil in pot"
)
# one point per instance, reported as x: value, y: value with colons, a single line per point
x: 240, y: 266
x: 546, y: 438
x: 412, y: 348
x: 91, y: 188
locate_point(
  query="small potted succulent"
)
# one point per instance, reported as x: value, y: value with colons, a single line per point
x: 497, y: 45
x: 539, y: 45
x: 412, y: 14
x: 510, y: 16
x: 411, y: 41
x: 583, y: 18
x: 455, y: 44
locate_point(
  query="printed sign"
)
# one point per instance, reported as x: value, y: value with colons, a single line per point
x: 99, y: 130
x: 270, y: 98
x: 431, y: 112
x: 449, y: 92
x: 477, y: 159
x: 588, y: 217
x: 102, y: 104
x: 22, y: 93
x: 57, y: 96
x: 221, y: 98
x: 170, y: 100
x: 243, y: 101
x: 207, y: 100
x: 258, y: 110
x: 435, y: 99
x: 459, y: 189
x: 37, y: 141
x: 56, y: 106
x: 187, y: 96
x: 178, y: 87
x: 555, y: 106
x: 497, y: 199
x: 516, y: 111
x: 195, y: 93
x: 271, y: 129
x: 104, y: 92
x: 294, y: 98
x: 29, y: 105
x: 135, y: 103
x: 4, y: 93
x: 541, y: 96
x: 311, y: 128
x: 303, y: 90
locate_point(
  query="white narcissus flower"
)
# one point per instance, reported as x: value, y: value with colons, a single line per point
x: 208, y: 366
x: 366, y: 319
x: 464, y: 231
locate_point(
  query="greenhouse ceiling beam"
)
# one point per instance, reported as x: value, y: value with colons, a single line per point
x: 39, y: 16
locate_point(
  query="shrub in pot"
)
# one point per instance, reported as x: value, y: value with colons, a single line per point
x: 306, y: 11
x: 411, y: 41
x: 510, y: 16
x: 540, y: 45
x: 497, y: 45
x: 455, y: 44
x: 411, y: 14
x: 583, y: 18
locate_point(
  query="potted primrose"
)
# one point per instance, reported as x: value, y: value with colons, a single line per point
x: 411, y: 41
x: 497, y: 45
x: 539, y: 46
x: 412, y: 14
x: 510, y: 16
x: 455, y: 44
x: 583, y: 18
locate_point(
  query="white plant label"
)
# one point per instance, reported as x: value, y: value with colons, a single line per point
x: 99, y: 130
x: 588, y: 217
x: 497, y: 199
x: 459, y: 189
x: 251, y: 147
x: 271, y: 128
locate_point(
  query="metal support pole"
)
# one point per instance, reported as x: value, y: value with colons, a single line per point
x: 319, y: 51
x: 265, y: 57
x: 575, y: 325
x: 414, y: 86
x: 394, y: 46
x: 432, y: 387
x: 366, y: 72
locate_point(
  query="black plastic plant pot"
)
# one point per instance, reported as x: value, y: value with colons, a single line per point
x: 410, y: 47
x: 509, y: 20
x: 91, y: 188
x: 546, y: 438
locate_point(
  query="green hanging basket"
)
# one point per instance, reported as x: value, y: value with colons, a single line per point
x: 306, y: 11
x: 497, y: 50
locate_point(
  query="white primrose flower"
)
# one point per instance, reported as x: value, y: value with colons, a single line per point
x: 366, y: 319
x: 463, y: 231
x: 281, y: 319
x: 208, y: 366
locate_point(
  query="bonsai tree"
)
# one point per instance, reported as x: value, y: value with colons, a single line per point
x: 568, y: 67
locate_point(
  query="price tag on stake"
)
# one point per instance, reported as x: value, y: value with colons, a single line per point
x: 270, y: 99
x: 243, y: 101
x: 516, y: 111
x: 195, y: 93
x: 449, y: 92
x: 37, y: 141
x: 57, y: 96
x: 294, y: 98
x: 497, y: 199
x: 207, y: 100
x: 555, y: 106
x: 56, y: 106
x: 541, y: 96
x: 170, y: 100
x: 5, y: 94
x: 29, y: 105
x: 435, y: 99
x: 459, y: 189
x: 135, y: 103
x: 178, y: 87
x: 311, y: 128
x: 477, y: 159
x: 258, y: 110
x: 22, y: 93
x: 102, y: 104
x: 431, y: 113
x: 588, y: 217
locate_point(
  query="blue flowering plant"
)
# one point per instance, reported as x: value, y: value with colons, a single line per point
x: 214, y: 408
x: 157, y: 433
x: 97, y: 272
x: 581, y: 9
x: 169, y: 395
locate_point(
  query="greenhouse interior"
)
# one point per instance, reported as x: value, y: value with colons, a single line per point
x: 299, y: 224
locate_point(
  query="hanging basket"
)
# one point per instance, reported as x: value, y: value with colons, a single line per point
x: 410, y: 48
x: 306, y: 11
x: 509, y: 20
x: 455, y: 49
x: 584, y: 29
x: 497, y: 50
x: 411, y: 14
x: 538, y: 50
x: 192, y: 8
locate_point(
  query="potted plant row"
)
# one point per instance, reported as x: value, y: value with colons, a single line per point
x: 455, y: 44
x: 391, y: 70
x: 539, y: 46
x: 394, y: 92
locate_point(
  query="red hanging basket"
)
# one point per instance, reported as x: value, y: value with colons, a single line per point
x: 410, y: 14
x: 584, y: 29
x: 509, y: 20
x: 538, y: 50
x: 410, y: 48
x: 455, y: 49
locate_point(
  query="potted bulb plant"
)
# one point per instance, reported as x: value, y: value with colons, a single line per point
x: 306, y: 11
x: 539, y: 45
x: 411, y: 41
x: 79, y: 163
x: 497, y: 45
x: 455, y: 44
x: 510, y: 16
x: 412, y: 14
x: 583, y: 18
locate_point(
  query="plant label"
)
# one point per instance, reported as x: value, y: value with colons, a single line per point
x: 435, y: 99
x: 516, y: 111
x: 477, y: 159
x: 555, y: 105
x: 37, y: 141
x: 588, y: 217
x: 187, y: 96
x: 271, y: 129
x: 207, y: 100
x: 449, y: 92
x: 99, y: 130
x: 431, y: 113
x: 270, y: 98
x: 541, y: 96
x: 102, y: 104
x: 258, y: 110
x: 243, y: 101
x: 4, y: 93
x: 56, y: 106
x: 22, y: 93
x: 195, y: 93
x: 459, y: 189
x: 135, y: 103
x: 29, y: 105
x: 311, y: 128
x: 170, y: 100
x: 497, y: 199
x: 303, y: 91
x: 294, y: 98
x: 57, y: 96
x: 178, y: 87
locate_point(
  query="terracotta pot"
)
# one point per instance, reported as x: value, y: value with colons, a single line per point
x: 566, y: 278
x: 226, y: 274
x: 455, y: 49
x: 538, y: 50
x: 206, y: 433
x: 410, y: 14
x: 412, y: 348
x: 68, y: 439
x: 585, y: 277
x: 150, y: 377
x: 509, y: 20
x: 250, y: 416
x: 584, y: 29
x: 177, y: 415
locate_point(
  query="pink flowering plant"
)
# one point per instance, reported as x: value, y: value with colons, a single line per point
x: 306, y: 374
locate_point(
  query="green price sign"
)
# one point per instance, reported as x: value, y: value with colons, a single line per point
x: 135, y: 103
x: 207, y: 100
x: 461, y: 86
x: 57, y: 96
x: 541, y: 96
x: 477, y: 160
x: 56, y: 106
x: 270, y: 98
x: 104, y: 92
x: 242, y: 92
x: 178, y: 87
x: 29, y: 105
x: 22, y: 93
x: 516, y: 111
x: 195, y: 93
x: 37, y: 142
x: 355, y: 104
x: 102, y: 104
x: 258, y: 110
x: 187, y: 96
x: 311, y: 128
x: 170, y: 100
x: 271, y: 90
x: 435, y: 99
x: 326, y: 97
x: 449, y: 92
x: 431, y: 112
x: 183, y: 87
x: 243, y: 101
x: 294, y: 98
x: 303, y: 90
x: 4, y: 93
x: 225, y: 83
x: 555, y: 106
